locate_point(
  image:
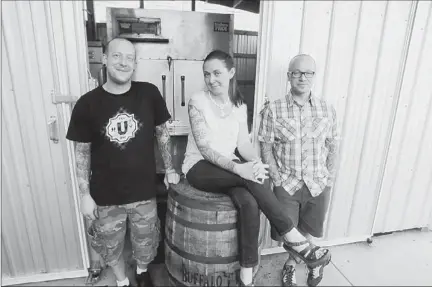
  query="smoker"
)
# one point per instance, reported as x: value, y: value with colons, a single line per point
x: 171, y: 46
x: 170, y: 50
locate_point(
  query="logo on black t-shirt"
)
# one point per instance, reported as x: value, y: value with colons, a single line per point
x: 122, y: 127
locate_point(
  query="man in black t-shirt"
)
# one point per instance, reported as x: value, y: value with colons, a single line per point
x: 114, y: 127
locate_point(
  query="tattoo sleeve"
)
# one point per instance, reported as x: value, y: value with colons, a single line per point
x: 268, y: 158
x: 164, y: 143
x: 200, y: 133
x: 82, y: 155
x: 332, y: 144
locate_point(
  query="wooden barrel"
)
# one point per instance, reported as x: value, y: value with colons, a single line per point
x: 201, y: 246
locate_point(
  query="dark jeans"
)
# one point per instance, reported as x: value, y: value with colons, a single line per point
x: 248, y: 197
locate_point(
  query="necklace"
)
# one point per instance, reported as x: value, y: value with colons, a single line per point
x: 220, y: 106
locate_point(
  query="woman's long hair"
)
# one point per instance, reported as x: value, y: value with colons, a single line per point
x: 235, y: 95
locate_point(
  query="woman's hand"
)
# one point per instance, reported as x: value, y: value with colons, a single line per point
x: 253, y: 171
x: 260, y: 170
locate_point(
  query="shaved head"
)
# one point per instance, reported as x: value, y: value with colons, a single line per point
x: 114, y: 42
x: 119, y: 59
x: 302, y: 60
x: 301, y: 74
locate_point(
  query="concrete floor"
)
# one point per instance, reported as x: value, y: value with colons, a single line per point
x: 402, y: 258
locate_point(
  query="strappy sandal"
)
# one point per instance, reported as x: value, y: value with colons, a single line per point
x: 310, y: 260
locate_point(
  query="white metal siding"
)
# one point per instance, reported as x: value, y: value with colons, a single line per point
x: 362, y: 49
x: 406, y: 192
x: 40, y: 226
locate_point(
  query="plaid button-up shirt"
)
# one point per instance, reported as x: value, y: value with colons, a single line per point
x: 305, y: 142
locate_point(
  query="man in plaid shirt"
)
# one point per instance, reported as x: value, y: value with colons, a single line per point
x: 298, y: 138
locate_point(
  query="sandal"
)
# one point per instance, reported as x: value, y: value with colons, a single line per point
x: 311, y: 259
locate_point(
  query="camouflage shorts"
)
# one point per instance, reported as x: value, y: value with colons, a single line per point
x: 107, y: 234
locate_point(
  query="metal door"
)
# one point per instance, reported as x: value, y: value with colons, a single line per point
x: 188, y: 79
x: 159, y: 73
x: 43, y: 55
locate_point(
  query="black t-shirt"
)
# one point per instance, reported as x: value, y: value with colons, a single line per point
x: 120, y: 129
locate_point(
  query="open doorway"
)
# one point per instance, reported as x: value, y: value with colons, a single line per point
x: 245, y: 38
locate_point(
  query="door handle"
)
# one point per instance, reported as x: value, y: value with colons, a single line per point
x: 164, y: 87
x: 182, y: 91
x: 53, y: 129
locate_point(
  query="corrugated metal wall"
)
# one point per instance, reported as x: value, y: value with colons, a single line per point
x: 43, y: 50
x: 368, y: 58
x: 406, y: 191
x: 245, y: 59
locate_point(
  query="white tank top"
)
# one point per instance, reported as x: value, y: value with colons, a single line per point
x: 222, y: 132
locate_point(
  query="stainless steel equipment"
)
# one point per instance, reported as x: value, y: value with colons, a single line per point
x: 171, y: 46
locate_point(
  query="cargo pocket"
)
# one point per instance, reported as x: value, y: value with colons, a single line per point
x: 96, y: 241
x: 145, y: 242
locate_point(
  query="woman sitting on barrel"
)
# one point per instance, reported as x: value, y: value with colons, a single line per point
x: 218, y: 119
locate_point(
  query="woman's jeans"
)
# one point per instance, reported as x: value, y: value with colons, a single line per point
x: 248, y: 197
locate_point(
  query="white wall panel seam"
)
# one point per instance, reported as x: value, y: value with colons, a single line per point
x: 328, y: 52
x: 399, y: 82
x: 370, y: 107
x: 417, y: 78
x: 428, y: 121
x: 300, y: 49
x: 348, y: 100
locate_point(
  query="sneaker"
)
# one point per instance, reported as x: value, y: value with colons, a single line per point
x: 315, y: 275
x: 144, y: 280
x: 288, y: 276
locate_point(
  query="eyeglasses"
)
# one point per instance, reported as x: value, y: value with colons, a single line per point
x: 298, y: 74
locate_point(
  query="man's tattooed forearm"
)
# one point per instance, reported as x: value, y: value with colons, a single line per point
x: 268, y: 158
x: 164, y: 142
x: 332, y: 157
x: 82, y: 154
x: 199, y: 131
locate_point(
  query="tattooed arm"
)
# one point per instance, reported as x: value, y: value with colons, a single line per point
x: 201, y: 135
x: 268, y: 158
x: 332, y: 144
x: 82, y: 154
x: 87, y: 205
x: 164, y: 143
x: 266, y: 137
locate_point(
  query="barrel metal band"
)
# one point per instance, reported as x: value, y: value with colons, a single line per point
x: 202, y: 226
x: 189, y: 202
x: 199, y: 258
